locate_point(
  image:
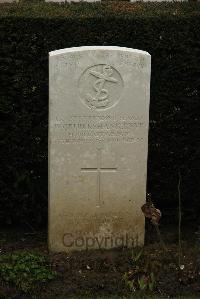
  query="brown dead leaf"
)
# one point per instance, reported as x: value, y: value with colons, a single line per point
x: 151, y: 212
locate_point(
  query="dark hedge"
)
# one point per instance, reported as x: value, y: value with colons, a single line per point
x: 169, y: 32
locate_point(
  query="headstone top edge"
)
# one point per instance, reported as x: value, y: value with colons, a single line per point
x: 94, y: 48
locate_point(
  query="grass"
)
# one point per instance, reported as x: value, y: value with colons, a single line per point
x: 24, y: 269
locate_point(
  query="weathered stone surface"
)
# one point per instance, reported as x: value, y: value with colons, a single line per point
x: 98, y: 144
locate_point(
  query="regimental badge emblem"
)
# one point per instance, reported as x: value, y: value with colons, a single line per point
x: 100, y: 87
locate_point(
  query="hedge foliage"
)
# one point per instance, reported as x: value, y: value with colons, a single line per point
x: 168, y: 31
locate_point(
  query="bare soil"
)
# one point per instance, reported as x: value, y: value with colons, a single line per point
x: 100, y: 273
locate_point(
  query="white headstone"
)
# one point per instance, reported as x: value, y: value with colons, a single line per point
x: 98, y: 144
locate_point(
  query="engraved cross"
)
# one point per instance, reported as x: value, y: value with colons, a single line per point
x: 99, y: 170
